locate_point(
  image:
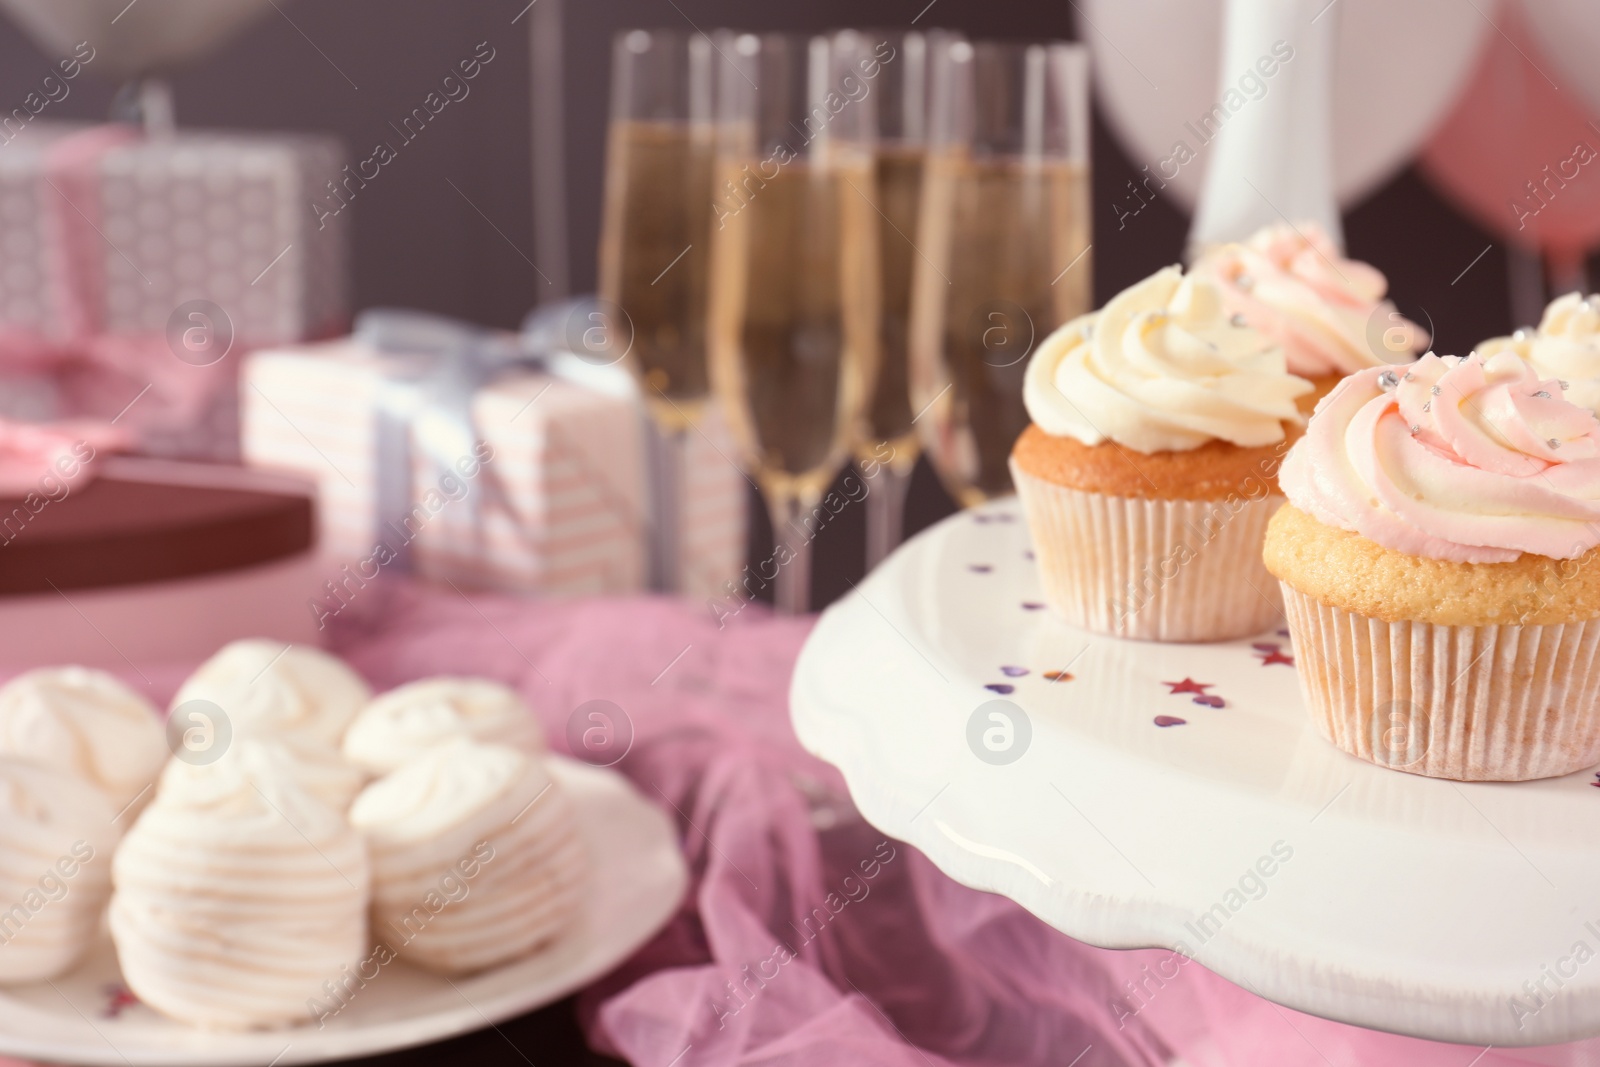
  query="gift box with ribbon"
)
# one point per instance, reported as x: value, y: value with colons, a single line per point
x: 474, y: 457
x: 139, y: 269
x: 441, y: 450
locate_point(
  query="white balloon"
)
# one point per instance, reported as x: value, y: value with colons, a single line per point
x: 1399, y: 65
x: 146, y: 37
x: 1568, y: 33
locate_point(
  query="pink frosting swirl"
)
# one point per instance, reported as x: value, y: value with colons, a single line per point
x: 1328, y: 312
x: 1472, y: 460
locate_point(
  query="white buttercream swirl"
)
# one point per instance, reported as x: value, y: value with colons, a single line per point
x: 269, y: 687
x: 87, y: 724
x: 406, y: 722
x: 1161, y: 369
x: 56, y: 840
x: 1566, y: 346
x: 476, y: 856
x: 238, y: 894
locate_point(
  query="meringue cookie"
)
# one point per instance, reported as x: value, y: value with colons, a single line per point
x: 87, y: 724
x: 476, y: 856
x: 406, y: 722
x: 317, y: 769
x: 264, y: 686
x: 56, y: 839
x: 238, y: 895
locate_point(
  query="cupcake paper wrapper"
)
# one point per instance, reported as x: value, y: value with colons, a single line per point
x: 1472, y: 703
x: 1159, y: 570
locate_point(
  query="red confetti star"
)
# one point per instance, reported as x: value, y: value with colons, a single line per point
x: 1189, y: 685
x: 1269, y: 658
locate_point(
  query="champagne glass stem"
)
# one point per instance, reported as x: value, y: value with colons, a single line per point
x: 668, y: 455
x: 886, y: 508
x: 792, y: 545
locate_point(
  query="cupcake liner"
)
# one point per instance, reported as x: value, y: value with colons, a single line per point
x: 1471, y: 703
x: 1158, y: 570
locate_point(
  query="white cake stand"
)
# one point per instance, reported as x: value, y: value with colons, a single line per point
x: 1176, y: 796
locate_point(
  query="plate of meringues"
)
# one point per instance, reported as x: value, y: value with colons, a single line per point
x: 290, y: 870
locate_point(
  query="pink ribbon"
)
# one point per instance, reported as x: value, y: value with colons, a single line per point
x: 36, y: 458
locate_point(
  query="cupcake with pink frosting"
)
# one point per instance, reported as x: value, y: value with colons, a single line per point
x: 1566, y: 346
x: 1327, y: 312
x: 1438, y: 565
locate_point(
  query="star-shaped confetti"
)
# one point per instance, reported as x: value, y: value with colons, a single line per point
x: 1189, y: 685
x: 1271, y: 653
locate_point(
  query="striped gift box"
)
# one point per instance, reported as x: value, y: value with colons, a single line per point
x: 569, y: 516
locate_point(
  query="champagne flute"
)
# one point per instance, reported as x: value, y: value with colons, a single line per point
x: 655, y: 253
x: 1005, y: 232
x: 889, y: 450
x: 794, y: 291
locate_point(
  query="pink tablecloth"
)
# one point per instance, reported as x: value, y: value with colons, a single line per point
x: 807, y: 938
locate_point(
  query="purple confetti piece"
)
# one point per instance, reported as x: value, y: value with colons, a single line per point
x: 980, y: 518
x: 1210, y: 701
x: 1013, y: 672
x: 1032, y: 605
x: 1001, y: 687
x: 1265, y: 646
x: 1283, y: 633
x: 979, y: 568
x: 1170, y: 720
x: 1028, y: 554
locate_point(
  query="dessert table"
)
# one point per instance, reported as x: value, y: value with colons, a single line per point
x: 807, y: 935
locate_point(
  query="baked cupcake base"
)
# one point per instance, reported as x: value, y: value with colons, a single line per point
x: 1472, y: 703
x: 1469, y: 671
x: 1162, y: 547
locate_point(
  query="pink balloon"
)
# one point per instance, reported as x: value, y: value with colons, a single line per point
x: 1518, y: 154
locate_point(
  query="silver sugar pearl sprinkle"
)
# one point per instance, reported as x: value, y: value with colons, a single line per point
x: 1435, y: 390
x: 1238, y: 320
x: 1388, y: 380
x: 1564, y: 384
x: 1245, y: 282
x: 1542, y: 394
x: 1554, y: 443
x: 1407, y: 376
x: 1428, y: 406
x: 1521, y: 334
x: 1415, y: 430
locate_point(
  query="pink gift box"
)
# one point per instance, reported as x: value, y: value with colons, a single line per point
x: 112, y: 240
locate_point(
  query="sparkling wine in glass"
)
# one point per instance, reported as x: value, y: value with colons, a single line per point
x: 794, y: 287
x: 889, y: 451
x: 1005, y: 232
x: 655, y: 251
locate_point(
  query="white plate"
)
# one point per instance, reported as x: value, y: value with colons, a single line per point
x: 639, y: 880
x: 1405, y: 903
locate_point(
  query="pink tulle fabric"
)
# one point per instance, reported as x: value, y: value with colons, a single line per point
x: 806, y: 937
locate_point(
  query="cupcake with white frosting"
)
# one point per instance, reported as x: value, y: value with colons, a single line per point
x: 56, y: 840
x: 88, y: 724
x: 476, y: 857
x: 1149, y: 471
x: 408, y: 721
x: 238, y: 894
x: 267, y: 687
x: 1565, y: 347
x: 1327, y: 312
x: 1439, y: 564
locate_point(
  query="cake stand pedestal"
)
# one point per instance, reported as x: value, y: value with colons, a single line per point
x: 1134, y: 794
